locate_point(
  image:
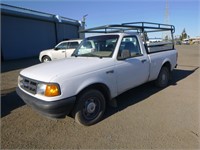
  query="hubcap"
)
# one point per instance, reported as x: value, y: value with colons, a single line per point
x: 91, y: 107
x: 163, y: 77
x: 46, y: 60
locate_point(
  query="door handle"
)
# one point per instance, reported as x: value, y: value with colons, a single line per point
x: 110, y: 71
x: 63, y: 51
x: 143, y: 60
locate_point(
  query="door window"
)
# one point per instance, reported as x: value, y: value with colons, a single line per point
x: 73, y: 45
x: 129, y: 48
x: 62, y: 46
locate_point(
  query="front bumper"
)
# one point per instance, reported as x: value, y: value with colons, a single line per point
x: 55, y: 109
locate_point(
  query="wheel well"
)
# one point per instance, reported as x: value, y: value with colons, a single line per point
x: 168, y: 65
x: 100, y: 87
x: 46, y: 56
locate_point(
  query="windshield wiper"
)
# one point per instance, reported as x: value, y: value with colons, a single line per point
x: 90, y: 55
x: 86, y: 55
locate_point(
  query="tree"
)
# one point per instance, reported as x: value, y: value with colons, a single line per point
x: 166, y: 38
x: 183, y: 35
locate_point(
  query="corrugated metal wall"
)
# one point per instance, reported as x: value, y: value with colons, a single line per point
x: 66, y: 31
x: 23, y: 36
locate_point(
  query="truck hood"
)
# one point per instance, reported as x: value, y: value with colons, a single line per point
x: 70, y: 67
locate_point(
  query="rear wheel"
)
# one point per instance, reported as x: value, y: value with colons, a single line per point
x: 163, y: 78
x: 46, y: 59
x: 90, y: 107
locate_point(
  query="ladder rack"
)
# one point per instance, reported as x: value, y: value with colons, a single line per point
x: 139, y: 27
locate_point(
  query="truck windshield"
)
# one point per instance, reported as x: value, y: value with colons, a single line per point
x: 97, y: 46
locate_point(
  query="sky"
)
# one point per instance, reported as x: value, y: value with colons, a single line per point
x: 181, y: 13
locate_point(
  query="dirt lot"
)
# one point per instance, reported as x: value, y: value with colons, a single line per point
x: 145, y: 117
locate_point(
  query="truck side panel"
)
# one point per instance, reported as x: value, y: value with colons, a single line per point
x: 159, y: 59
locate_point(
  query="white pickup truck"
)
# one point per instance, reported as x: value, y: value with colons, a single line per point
x: 100, y: 69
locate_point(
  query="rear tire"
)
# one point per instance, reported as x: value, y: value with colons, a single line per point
x: 46, y: 59
x: 90, y: 107
x: 163, y: 78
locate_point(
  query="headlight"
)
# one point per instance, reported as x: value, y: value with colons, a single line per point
x: 49, y: 90
x: 41, y: 88
x: 20, y: 81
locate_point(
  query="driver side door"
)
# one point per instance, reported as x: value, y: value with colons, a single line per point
x: 132, y: 69
x: 60, y: 51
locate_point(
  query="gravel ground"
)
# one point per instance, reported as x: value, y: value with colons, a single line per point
x: 145, y: 117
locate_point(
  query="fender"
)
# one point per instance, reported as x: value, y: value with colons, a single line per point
x: 95, y: 80
x: 42, y: 54
x: 167, y: 60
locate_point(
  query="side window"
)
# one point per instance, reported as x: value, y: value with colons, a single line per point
x: 129, y: 47
x: 62, y: 46
x: 159, y: 41
x: 73, y: 45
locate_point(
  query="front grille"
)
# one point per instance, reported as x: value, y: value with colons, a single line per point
x: 28, y: 85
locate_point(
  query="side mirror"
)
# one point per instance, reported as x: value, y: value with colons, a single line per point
x: 56, y: 48
x: 125, y: 54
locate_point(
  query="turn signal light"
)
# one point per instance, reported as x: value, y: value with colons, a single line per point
x: 52, y: 90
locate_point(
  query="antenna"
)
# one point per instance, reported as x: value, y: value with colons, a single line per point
x: 167, y: 13
x: 166, y: 35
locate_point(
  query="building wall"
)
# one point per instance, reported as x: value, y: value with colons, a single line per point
x: 66, y: 31
x: 23, y: 36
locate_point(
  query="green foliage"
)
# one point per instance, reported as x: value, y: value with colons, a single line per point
x: 183, y: 35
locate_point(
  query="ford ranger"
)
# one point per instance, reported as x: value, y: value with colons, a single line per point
x: 100, y: 69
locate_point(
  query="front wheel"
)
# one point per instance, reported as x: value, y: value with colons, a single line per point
x: 163, y: 78
x: 46, y: 59
x: 90, y: 107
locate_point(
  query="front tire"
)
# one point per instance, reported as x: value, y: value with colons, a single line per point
x: 163, y: 78
x: 90, y: 107
x: 46, y: 59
